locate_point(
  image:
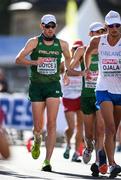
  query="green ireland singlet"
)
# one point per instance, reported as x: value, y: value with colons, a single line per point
x: 49, y: 71
x: 88, y: 89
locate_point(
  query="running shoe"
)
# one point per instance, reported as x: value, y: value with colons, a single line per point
x: 114, y: 170
x: 95, y: 170
x: 118, y: 148
x: 102, y: 162
x: 87, y: 155
x: 76, y: 157
x: 35, y: 151
x: 90, y: 144
x: 46, y: 166
x: 66, y: 154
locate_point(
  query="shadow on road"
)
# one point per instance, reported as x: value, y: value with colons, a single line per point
x: 14, y: 174
x: 69, y: 175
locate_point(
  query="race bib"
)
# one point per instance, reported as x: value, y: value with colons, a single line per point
x: 111, y: 67
x: 49, y: 66
x: 90, y: 81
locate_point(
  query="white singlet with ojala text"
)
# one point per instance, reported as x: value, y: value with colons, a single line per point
x: 109, y: 77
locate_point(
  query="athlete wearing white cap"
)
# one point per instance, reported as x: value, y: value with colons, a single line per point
x: 45, y: 90
x: 48, y: 18
x: 92, y: 114
x: 108, y: 87
x: 96, y: 26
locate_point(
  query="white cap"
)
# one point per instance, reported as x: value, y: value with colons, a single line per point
x: 48, y: 18
x: 96, y: 26
x: 112, y: 17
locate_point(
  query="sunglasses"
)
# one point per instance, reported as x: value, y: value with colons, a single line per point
x: 114, y: 25
x: 99, y: 31
x: 48, y: 26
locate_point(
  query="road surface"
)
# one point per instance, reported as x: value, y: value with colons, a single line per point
x: 21, y: 166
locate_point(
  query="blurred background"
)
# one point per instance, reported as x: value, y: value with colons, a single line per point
x: 19, y: 20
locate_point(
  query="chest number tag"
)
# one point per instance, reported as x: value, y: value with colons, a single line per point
x: 49, y: 66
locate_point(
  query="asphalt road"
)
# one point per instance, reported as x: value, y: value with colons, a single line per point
x: 21, y: 166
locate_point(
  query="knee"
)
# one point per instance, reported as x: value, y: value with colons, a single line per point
x: 100, y: 130
x: 36, y: 131
x: 110, y: 131
x: 51, y: 127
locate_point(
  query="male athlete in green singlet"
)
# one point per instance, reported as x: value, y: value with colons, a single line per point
x: 44, y: 89
x: 94, y: 123
x: 92, y: 116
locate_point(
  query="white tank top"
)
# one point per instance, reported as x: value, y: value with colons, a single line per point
x: 73, y: 90
x: 109, y: 77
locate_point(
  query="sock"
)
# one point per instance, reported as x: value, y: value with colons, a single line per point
x: 97, y: 163
x: 37, y: 137
x: 46, y: 162
x: 77, y: 153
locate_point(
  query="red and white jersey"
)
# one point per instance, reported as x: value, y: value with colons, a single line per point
x: 74, y: 88
x: 109, y: 77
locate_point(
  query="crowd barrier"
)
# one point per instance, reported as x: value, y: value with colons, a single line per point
x: 17, y: 112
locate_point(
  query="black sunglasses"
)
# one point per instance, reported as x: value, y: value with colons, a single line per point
x: 100, y: 31
x: 114, y: 25
x: 48, y: 26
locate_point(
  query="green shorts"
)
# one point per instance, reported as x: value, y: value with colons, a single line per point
x: 88, y: 105
x: 42, y: 91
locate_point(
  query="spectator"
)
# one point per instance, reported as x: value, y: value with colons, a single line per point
x: 3, y: 82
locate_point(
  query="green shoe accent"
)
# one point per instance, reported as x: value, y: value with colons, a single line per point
x: 46, y: 166
x: 36, y: 150
x: 46, y: 162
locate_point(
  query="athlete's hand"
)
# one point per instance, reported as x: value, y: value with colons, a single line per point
x: 88, y: 75
x: 82, y: 73
x: 66, y: 79
x: 40, y: 61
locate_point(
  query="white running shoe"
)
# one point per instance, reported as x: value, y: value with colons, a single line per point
x: 87, y: 155
x: 114, y: 170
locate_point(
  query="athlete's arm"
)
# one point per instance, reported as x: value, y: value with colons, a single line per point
x: 93, y: 45
x: 66, y: 53
x: 76, y: 57
x: 28, y: 48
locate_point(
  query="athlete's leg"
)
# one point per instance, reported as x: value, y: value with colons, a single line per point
x: 99, y: 143
x: 119, y: 138
x: 107, y: 110
x: 117, y: 119
x: 4, y: 144
x: 89, y: 121
x: 38, y: 111
x: 99, y: 131
x: 114, y: 168
x: 79, y: 130
x: 52, y: 105
x: 70, y: 118
x: 78, y: 137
